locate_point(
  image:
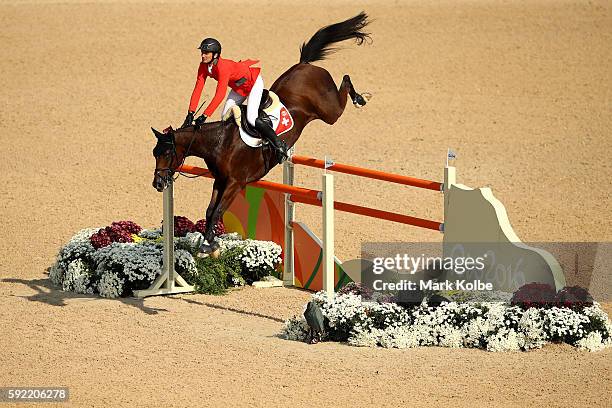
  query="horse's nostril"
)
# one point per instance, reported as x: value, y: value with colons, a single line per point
x: 157, y: 185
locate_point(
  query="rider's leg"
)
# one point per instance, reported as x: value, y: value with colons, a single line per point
x: 233, y: 98
x: 254, y: 100
x: 263, y: 128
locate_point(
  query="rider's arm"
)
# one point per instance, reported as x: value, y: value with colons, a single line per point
x: 197, y: 90
x: 219, y: 93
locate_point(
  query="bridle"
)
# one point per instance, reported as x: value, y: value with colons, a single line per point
x: 169, y: 176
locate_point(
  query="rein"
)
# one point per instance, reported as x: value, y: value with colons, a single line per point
x: 180, y: 173
x: 171, y: 172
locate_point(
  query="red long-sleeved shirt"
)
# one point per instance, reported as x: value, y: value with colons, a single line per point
x: 226, y: 72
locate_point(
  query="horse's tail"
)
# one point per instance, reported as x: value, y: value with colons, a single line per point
x: 318, y: 47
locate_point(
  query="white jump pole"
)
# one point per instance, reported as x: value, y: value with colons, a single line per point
x: 328, y: 233
x: 288, y: 256
x: 169, y: 281
x: 450, y: 178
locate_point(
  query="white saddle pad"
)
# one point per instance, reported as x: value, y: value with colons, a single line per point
x: 282, y: 121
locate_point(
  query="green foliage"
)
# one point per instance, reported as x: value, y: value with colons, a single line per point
x: 231, y: 258
x: 215, y: 275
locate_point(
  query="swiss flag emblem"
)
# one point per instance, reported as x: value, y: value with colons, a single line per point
x: 285, y: 121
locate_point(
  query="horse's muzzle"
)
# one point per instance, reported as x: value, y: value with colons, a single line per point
x: 161, y: 180
x: 159, y: 184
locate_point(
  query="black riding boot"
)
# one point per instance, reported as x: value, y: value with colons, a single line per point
x: 267, y: 132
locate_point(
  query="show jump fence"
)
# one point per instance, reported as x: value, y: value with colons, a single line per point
x: 470, y: 215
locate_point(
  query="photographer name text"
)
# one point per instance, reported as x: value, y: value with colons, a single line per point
x: 432, y: 285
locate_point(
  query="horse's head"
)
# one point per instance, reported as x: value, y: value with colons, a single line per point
x: 166, y: 159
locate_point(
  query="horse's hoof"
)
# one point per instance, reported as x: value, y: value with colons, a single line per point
x: 214, y: 254
x: 202, y: 254
x: 215, y: 246
x: 314, y: 339
x: 362, y: 99
x: 207, y: 250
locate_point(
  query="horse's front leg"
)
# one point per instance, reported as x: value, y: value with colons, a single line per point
x: 209, y: 245
x: 226, y: 197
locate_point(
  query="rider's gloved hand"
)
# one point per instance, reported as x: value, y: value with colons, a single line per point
x: 200, y: 120
x: 188, y: 120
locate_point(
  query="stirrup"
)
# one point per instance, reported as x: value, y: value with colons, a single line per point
x: 281, y: 151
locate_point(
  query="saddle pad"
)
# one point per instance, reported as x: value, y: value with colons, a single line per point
x: 282, y: 122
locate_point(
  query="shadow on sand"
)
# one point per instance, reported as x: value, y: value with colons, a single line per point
x: 46, y: 292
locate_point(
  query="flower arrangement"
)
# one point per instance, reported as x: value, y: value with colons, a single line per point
x: 119, y: 231
x: 116, y: 260
x: 182, y: 226
x: 574, y: 296
x: 534, y: 295
x: 260, y: 259
x: 218, y: 229
x: 493, y: 326
x: 543, y: 295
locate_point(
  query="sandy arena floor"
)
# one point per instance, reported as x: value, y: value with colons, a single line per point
x: 522, y: 91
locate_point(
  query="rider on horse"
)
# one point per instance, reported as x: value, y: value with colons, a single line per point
x: 244, y: 80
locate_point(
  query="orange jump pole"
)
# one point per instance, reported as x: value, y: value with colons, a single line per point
x: 374, y: 213
x: 313, y: 197
x: 268, y: 185
x: 368, y: 173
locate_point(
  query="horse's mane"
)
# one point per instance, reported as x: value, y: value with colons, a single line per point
x: 205, y: 128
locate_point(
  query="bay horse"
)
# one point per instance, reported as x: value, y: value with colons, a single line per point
x: 307, y: 91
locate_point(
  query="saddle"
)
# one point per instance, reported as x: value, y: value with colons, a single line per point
x: 268, y: 99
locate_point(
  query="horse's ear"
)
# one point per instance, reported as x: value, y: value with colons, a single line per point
x: 157, y: 133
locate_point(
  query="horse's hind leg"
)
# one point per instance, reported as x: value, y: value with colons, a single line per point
x: 333, y: 107
x: 358, y: 99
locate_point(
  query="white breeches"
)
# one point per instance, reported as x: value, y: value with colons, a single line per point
x: 252, y: 104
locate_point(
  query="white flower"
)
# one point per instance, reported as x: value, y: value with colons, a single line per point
x: 77, y: 278
x: 79, y: 246
x: 184, y: 260
x: 229, y: 241
x: 532, y: 326
x: 492, y: 325
x: 191, y: 240
x: 365, y: 338
x: 151, y: 234
x: 450, y: 337
x: 592, y: 342
x: 138, y: 262
x: 506, y: 340
x: 110, y: 285
x: 564, y: 322
x: 260, y: 254
x: 476, y: 331
x: 56, y: 274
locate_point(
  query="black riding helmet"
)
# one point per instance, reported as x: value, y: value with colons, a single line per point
x: 210, y: 45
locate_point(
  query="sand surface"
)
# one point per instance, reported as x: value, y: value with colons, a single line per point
x: 521, y: 90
